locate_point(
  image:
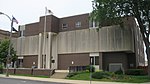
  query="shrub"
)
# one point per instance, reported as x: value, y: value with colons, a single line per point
x: 145, y: 68
x: 100, y: 75
x: 71, y: 74
x: 90, y: 68
x: 1, y: 68
x: 135, y: 72
x: 119, y: 72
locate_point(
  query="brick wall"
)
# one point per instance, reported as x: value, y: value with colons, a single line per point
x: 29, y: 61
x: 80, y: 59
x: 30, y: 71
x: 42, y: 72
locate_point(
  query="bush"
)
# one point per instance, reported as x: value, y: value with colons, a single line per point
x: 90, y: 68
x: 135, y: 72
x: 100, y: 75
x: 71, y: 74
x: 119, y: 72
x: 1, y: 69
x: 145, y: 68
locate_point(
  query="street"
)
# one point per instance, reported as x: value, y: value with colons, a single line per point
x: 21, y: 81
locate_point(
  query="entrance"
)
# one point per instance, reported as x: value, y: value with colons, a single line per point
x: 94, y: 59
x: 20, y: 63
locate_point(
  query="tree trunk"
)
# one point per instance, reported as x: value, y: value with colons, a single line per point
x: 148, y: 58
x: 145, y: 38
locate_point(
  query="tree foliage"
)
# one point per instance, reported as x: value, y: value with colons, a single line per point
x: 4, y: 46
x: 113, y: 10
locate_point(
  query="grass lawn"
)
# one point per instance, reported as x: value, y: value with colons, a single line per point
x: 31, y: 76
x: 120, y: 78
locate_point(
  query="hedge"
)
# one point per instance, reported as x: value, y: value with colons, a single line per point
x: 135, y: 72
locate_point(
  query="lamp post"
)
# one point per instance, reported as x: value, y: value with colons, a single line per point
x: 91, y: 61
x: 1, y: 13
x: 9, y: 49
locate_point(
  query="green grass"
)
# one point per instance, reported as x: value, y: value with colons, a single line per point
x: 135, y: 79
x: 31, y: 75
x: 81, y: 76
x: 118, y: 78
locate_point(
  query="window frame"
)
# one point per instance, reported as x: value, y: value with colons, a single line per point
x: 93, y: 24
x: 78, y: 24
x: 64, y: 25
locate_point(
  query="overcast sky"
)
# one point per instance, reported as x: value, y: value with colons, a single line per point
x: 29, y: 11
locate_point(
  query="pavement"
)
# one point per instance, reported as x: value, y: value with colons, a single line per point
x: 64, y: 80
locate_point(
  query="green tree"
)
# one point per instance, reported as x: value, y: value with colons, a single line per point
x: 113, y: 10
x: 4, y: 46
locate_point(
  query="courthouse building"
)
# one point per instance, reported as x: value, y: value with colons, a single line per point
x: 75, y: 41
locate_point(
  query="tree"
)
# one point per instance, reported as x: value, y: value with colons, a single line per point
x: 4, y: 46
x: 114, y: 10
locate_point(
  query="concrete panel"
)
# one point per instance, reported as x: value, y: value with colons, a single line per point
x: 54, y: 52
x: 107, y: 39
x: 71, y: 41
x: 93, y: 41
x: 78, y: 40
x: 111, y: 38
x: 62, y: 42
x: 26, y: 45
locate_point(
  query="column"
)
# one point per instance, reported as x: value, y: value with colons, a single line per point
x: 40, y: 51
x: 48, y: 50
x: 100, y: 61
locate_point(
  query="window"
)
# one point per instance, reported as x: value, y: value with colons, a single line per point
x: 94, y: 60
x: 64, y: 26
x: 78, y: 24
x: 93, y: 24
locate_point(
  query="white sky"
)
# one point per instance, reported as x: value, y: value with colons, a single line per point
x: 29, y: 11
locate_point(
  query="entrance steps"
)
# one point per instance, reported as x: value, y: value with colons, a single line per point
x: 60, y: 74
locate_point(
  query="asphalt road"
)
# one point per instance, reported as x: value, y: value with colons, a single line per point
x: 21, y: 81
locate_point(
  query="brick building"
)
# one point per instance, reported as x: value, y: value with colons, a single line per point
x: 75, y: 41
x: 5, y: 34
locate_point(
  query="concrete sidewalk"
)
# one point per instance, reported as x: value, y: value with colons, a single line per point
x: 64, y: 80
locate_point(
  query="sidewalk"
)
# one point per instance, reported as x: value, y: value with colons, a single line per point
x: 64, y: 80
